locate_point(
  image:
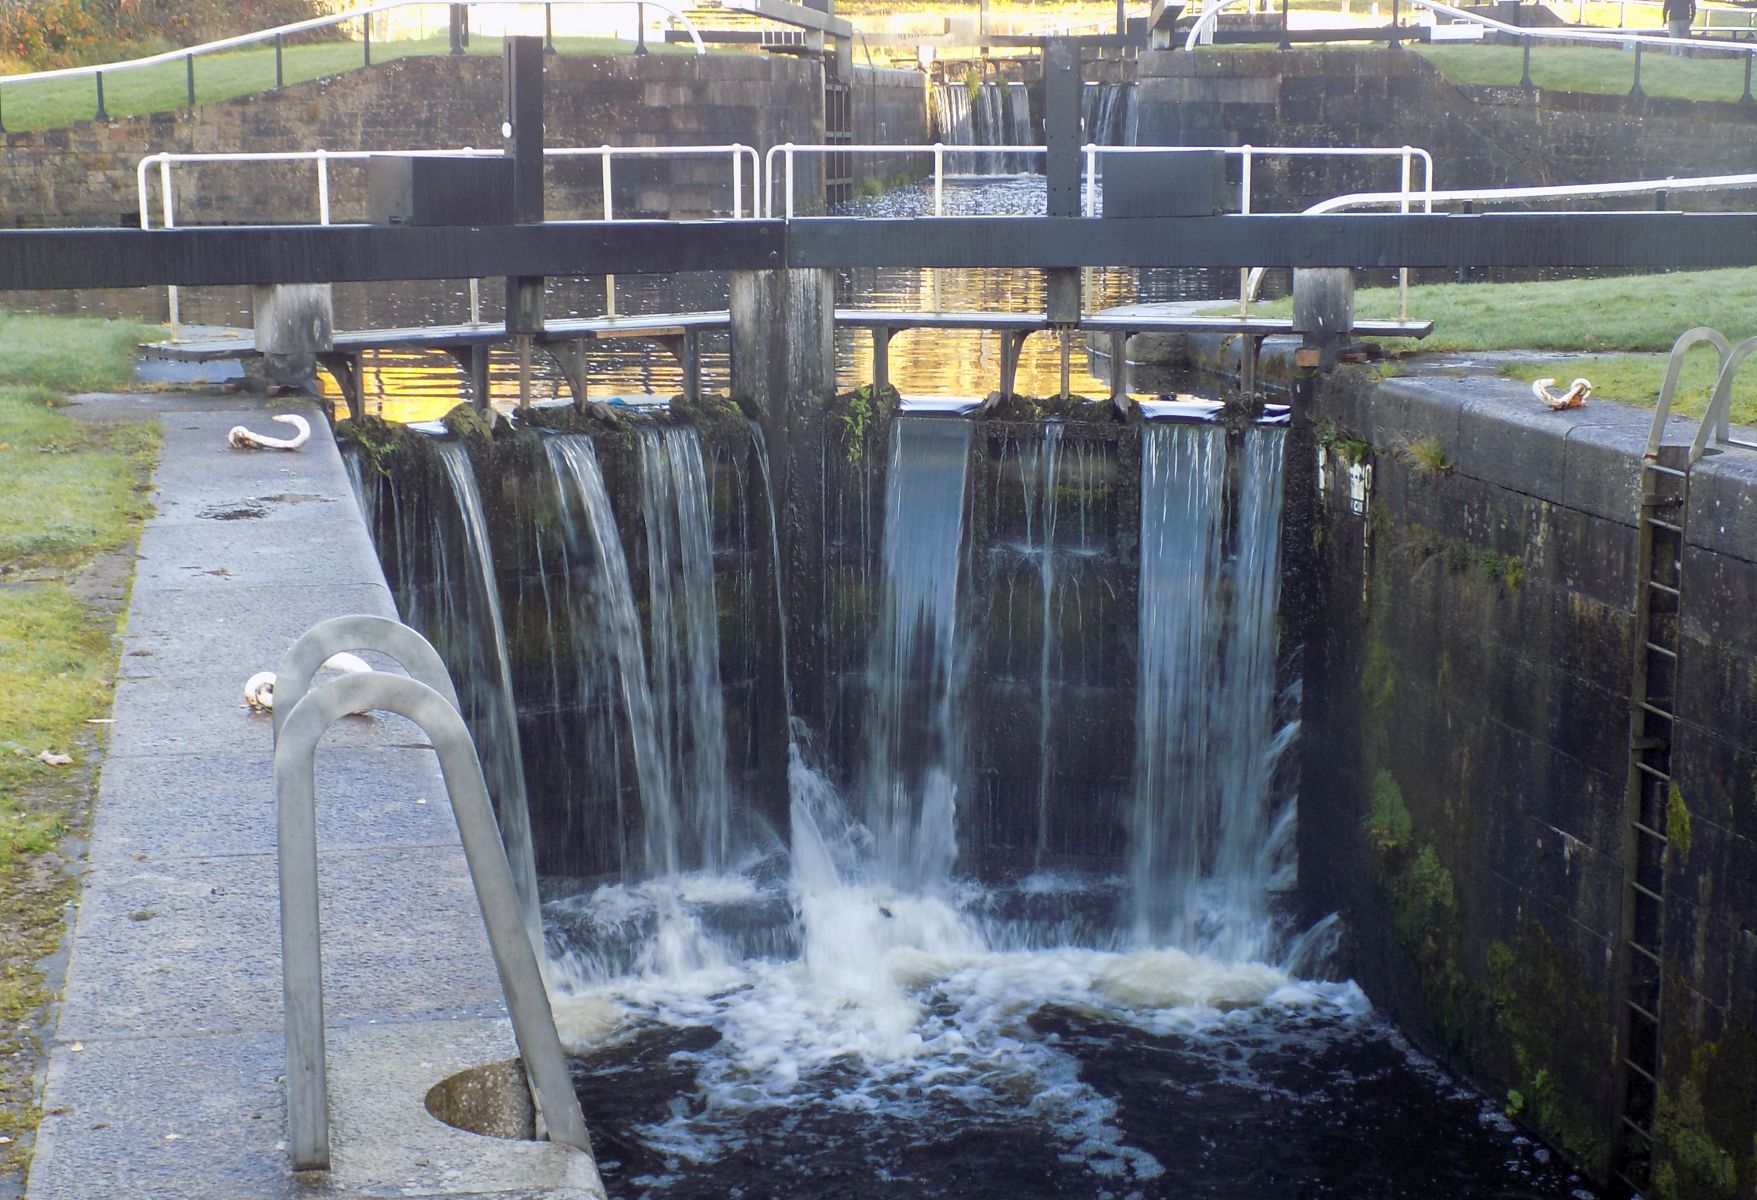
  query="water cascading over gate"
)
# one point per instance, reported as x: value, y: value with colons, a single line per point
x: 1202, y: 862
x: 915, y: 743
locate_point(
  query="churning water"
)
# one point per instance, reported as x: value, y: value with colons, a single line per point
x: 843, y: 1012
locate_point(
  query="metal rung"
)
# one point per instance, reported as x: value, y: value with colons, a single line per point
x: 1646, y: 1136
x: 1650, y: 894
x: 1666, y: 470
x: 1650, y: 1018
x: 1662, y: 587
x: 1652, y: 833
x: 1666, y: 525
x: 1659, y: 649
x: 1640, y: 1070
x: 1653, y: 771
x: 1658, y: 711
x: 1643, y: 950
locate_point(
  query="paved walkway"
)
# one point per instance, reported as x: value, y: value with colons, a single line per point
x: 163, y: 1078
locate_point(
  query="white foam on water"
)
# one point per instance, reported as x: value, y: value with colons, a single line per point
x: 897, y: 1003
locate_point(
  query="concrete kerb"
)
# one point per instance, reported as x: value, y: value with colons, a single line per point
x: 163, y: 1076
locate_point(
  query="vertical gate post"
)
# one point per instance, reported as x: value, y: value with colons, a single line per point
x: 784, y: 374
x: 524, y: 145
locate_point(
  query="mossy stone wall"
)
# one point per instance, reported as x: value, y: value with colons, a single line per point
x: 1466, y: 749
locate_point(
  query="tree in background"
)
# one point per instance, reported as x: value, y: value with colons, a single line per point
x: 59, y: 33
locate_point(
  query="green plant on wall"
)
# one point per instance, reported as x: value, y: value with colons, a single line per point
x: 1387, y: 823
x: 1425, y: 456
x: 856, y: 418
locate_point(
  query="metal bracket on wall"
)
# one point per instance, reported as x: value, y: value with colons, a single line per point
x: 431, y: 703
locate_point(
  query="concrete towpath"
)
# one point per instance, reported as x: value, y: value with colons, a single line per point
x: 163, y: 1078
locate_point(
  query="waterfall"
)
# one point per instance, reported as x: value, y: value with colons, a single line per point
x: 611, y: 672
x: 1244, y: 708
x: 365, y: 493
x: 993, y: 114
x: 1107, y: 112
x: 914, y: 742
x: 689, y: 825
x: 472, y: 625
x: 1201, y: 862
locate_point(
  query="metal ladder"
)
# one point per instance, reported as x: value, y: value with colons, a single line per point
x: 301, y: 716
x: 1665, y: 480
x: 1660, y: 544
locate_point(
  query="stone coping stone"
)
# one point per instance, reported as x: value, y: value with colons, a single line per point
x: 163, y: 1076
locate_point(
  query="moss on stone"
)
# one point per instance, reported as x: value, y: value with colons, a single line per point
x: 1378, y: 678
x: 1704, y: 1148
x: 1540, y: 1002
x: 1677, y: 822
x: 375, y: 437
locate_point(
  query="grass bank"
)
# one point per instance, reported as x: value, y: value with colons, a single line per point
x: 72, y: 496
x: 1587, y: 69
x: 164, y: 88
x: 1628, y: 325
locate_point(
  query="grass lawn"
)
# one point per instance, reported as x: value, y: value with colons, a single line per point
x: 162, y: 88
x: 70, y: 491
x: 1587, y: 69
x: 1631, y: 320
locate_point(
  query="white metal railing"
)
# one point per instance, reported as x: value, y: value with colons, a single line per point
x: 1516, y: 195
x: 738, y: 154
x: 788, y: 151
x: 1202, y: 30
x: 1406, y: 156
x: 668, y: 7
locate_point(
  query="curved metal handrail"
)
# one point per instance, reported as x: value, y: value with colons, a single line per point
x: 359, y: 631
x: 533, y: 1021
x: 312, y: 24
x: 1673, y: 369
x: 1717, y: 420
x: 1621, y: 37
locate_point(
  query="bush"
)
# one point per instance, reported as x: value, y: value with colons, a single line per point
x: 60, y: 33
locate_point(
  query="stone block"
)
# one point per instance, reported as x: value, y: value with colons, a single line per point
x: 1723, y: 504
x: 1602, y: 465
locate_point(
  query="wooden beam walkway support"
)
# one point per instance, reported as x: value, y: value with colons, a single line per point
x: 680, y: 334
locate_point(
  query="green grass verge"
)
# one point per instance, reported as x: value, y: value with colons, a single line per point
x: 67, y: 489
x: 1631, y: 321
x: 68, y: 354
x: 71, y: 492
x: 1584, y: 69
x: 53, y: 103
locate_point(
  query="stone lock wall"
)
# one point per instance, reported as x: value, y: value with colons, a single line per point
x: 890, y: 109
x: 1479, y: 136
x: 1465, y: 752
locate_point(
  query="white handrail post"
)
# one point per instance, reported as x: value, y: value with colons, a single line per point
x: 737, y: 182
x: 787, y: 156
x: 609, y: 280
x: 323, y: 187
x: 173, y: 306
x: 1244, y: 207
x: 939, y: 179
x: 1092, y: 179
x: 1403, y: 272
